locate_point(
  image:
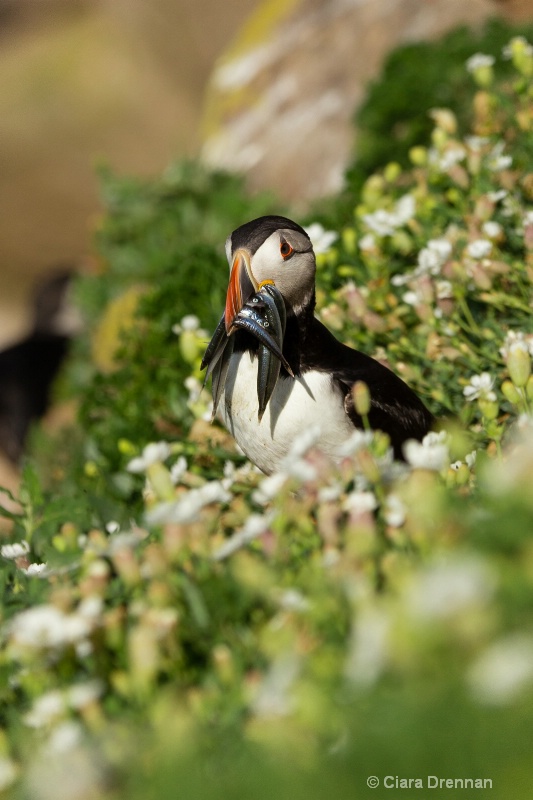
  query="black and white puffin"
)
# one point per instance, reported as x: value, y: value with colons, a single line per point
x: 317, y: 372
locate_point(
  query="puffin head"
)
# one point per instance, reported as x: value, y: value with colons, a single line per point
x: 275, y: 250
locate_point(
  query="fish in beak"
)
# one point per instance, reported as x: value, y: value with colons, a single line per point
x: 242, y: 285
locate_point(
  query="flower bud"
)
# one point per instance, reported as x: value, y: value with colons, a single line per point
x: 418, y: 156
x: 373, y: 190
x: 143, y: 655
x: 488, y: 407
x: 519, y: 365
x: 90, y: 469
x: 444, y: 119
x: 522, y: 55
x: 361, y: 398
x: 349, y: 240
x: 439, y: 138
x: 510, y: 392
x: 392, y: 171
x: 126, y: 447
x: 462, y: 475
x: 189, y: 346
x: 160, y: 481
x: 480, y: 67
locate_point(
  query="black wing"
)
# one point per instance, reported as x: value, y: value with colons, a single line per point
x: 395, y: 408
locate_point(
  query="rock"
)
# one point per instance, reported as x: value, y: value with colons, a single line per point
x: 82, y: 81
x: 281, y: 100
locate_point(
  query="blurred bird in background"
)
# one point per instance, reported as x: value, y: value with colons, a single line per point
x: 28, y: 367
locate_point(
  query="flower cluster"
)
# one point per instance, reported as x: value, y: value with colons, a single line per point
x: 232, y: 606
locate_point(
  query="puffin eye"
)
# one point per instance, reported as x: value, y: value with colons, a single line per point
x: 286, y: 249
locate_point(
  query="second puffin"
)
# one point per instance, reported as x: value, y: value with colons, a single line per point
x: 277, y: 370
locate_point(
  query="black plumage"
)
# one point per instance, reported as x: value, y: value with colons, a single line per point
x: 313, y: 384
x: 28, y: 368
x: 394, y: 407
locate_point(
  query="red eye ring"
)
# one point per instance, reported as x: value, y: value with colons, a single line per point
x: 286, y: 249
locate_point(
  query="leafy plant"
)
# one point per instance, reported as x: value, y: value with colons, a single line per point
x: 191, y: 626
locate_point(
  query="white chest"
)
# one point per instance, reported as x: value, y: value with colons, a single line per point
x: 295, y: 405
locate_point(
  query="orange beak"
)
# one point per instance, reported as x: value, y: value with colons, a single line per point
x: 242, y: 285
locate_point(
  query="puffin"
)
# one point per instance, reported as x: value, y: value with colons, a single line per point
x: 310, y: 374
x: 28, y: 367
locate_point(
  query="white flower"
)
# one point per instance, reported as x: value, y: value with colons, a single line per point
x: 498, y: 195
x: 273, y: 697
x: 479, y: 60
x: 384, y: 223
x: 480, y: 386
x: 83, y: 694
x: 327, y: 494
x: 432, y: 257
x: 293, y: 600
x: 528, y: 218
x: 492, y: 229
x: 401, y: 279
x: 360, y: 502
x: 358, y: 440
x: 503, y: 671
x: 476, y: 143
x: 395, y: 511
x: 368, y: 649
x: 380, y: 222
x: 269, y: 488
x: 188, y: 506
x: 450, y: 157
x: 255, y: 526
x: 90, y: 607
x: 501, y: 162
x: 34, y: 569
x: 450, y: 587
x: 64, y: 738
x: 190, y: 322
x: 515, y: 341
x: 15, y: 550
x: 194, y: 387
x: 431, y: 453
x: 405, y: 208
x: 45, y: 710
x: 46, y: 626
x: 229, y: 470
x: 152, y: 453
x: 303, y: 443
x: 413, y: 298
x: 470, y: 459
x: 292, y: 465
x: 8, y: 772
x: 517, y: 42
x: 367, y: 242
x: 178, y: 470
x: 113, y: 526
x: 444, y: 290
x: 321, y: 239
x: 479, y: 248
x: 301, y: 470
x: 497, y: 160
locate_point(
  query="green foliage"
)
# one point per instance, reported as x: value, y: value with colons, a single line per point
x: 416, y: 78
x: 225, y: 633
x: 165, y: 236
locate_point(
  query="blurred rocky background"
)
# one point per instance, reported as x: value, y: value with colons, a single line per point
x: 268, y: 88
